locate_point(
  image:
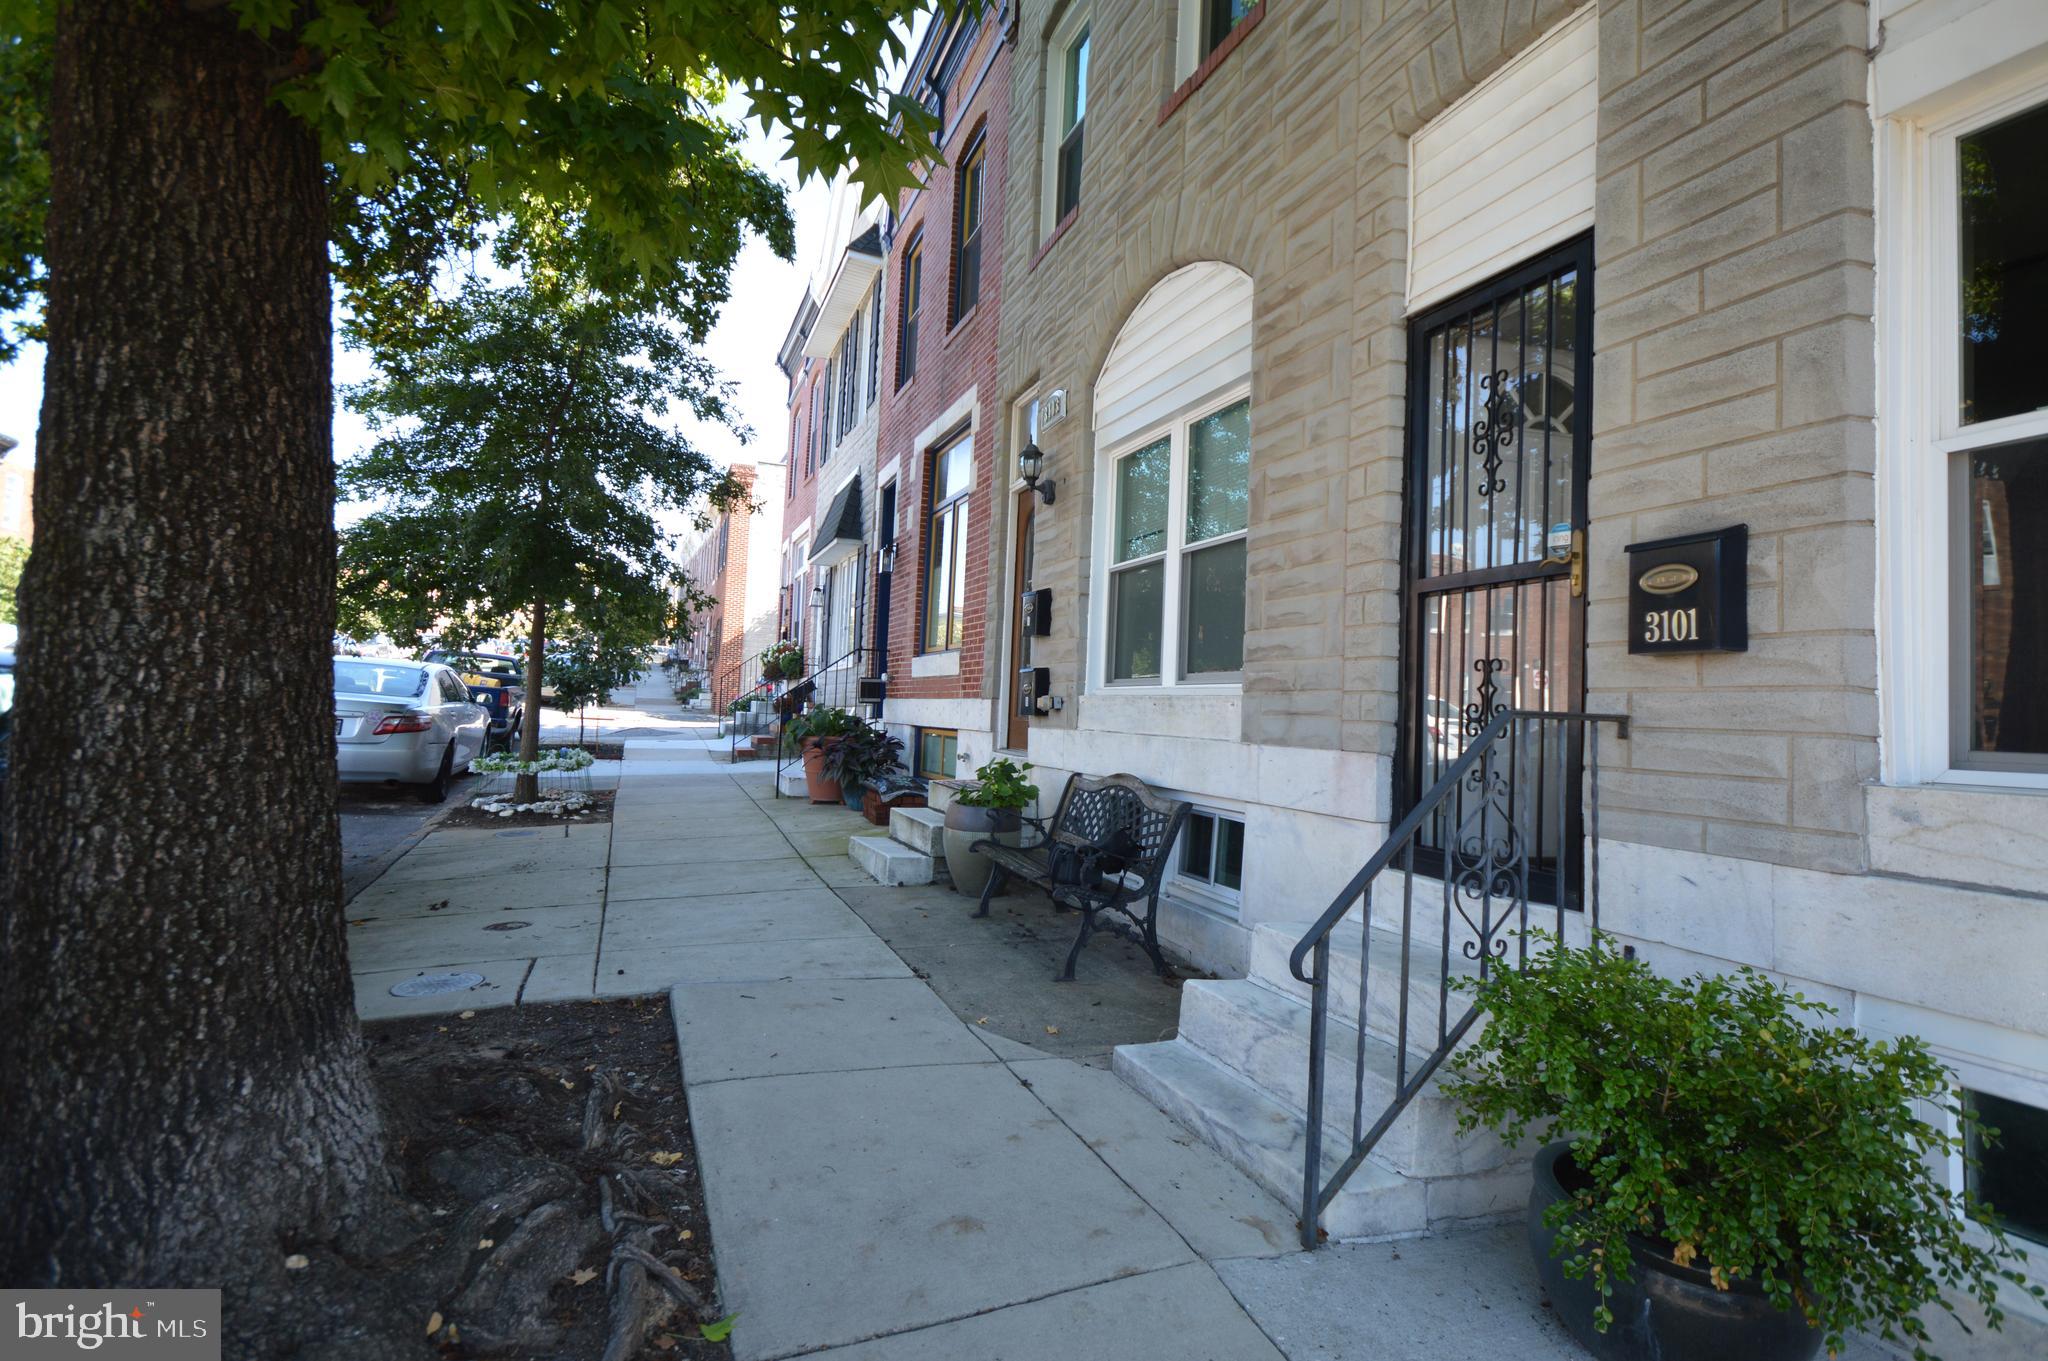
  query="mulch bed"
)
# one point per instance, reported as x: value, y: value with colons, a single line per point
x: 549, y: 1148
x: 463, y: 816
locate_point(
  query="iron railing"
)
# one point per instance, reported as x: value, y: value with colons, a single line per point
x: 842, y: 683
x: 1498, y: 815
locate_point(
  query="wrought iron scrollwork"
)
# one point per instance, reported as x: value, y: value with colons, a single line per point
x: 1496, y: 432
x: 1488, y: 863
x: 1481, y: 710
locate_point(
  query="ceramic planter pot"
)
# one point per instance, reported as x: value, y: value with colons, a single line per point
x: 1667, y: 1312
x: 852, y: 795
x: 966, y: 825
x: 820, y: 789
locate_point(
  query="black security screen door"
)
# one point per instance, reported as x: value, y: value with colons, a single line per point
x: 1500, y: 426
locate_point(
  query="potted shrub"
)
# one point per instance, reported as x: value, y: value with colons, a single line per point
x: 783, y: 661
x: 860, y: 757
x: 1744, y: 1177
x: 812, y: 734
x: 993, y: 806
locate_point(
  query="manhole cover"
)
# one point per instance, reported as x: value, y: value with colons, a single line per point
x: 507, y: 926
x: 434, y: 984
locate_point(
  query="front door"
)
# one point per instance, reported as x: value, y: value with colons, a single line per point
x: 1020, y: 637
x: 1499, y: 431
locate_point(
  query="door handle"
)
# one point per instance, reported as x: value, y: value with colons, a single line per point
x: 1573, y: 557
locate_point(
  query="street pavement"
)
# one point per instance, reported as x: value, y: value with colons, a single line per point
x: 891, y: 1176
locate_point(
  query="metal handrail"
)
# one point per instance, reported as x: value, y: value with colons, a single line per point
x: 841, y: 670
x: 1493, y: 863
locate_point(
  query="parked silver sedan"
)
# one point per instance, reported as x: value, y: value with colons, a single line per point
x: 401, y: 722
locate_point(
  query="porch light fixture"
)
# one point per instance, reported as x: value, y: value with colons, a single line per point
x: 1030, y: 463
x: 886, y: 559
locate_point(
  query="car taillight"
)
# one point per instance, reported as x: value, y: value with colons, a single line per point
x: 409, y: 722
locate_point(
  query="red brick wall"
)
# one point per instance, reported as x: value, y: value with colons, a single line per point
x: 727, y: 582
x: 949, y: 362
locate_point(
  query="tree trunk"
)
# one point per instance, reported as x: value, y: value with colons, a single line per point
x: 527, y: 788
x: 184, y: 1075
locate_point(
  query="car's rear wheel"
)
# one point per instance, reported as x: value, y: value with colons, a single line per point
x: 436, y: 789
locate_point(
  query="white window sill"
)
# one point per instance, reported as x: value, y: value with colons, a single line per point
x: 935, y: 664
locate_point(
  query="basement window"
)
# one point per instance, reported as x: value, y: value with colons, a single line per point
x: 1211, y: 858
x: 2011, y: 1173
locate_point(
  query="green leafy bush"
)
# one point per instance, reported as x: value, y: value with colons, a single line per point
x: 999, y: 784
x: 864, y: 754
x: 823, y: 721
x: 783, y: 661
x: 1713, y: 1117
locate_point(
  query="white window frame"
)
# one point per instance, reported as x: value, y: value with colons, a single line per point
x: 1981, y: 1057
x: 1173, y: 663
x: 1921, y: 435
x: 1226, y: 901
x: 1061, y: 38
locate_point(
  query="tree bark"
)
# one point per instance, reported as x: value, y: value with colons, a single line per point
x: 186, y: 1093
x: 527, y: 788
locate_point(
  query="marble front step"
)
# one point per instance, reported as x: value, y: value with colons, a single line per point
x: 921, y: 829
x: 790, y: 783
x: 889, y: 861
x: 1263, y: 1036
x: 1262, y: 1137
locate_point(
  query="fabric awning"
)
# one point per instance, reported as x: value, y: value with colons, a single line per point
x: 840, y: 534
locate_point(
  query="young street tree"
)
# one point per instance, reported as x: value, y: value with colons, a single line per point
x: 184, y: 1074
x: 521, y: 459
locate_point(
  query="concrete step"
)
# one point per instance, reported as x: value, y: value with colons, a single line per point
x: 1263, y: 1036
x: 1262, y: 1137
x: 921, y: 829
x: 791, y: 783
x: 1272, y: 943
x: 888, y: 861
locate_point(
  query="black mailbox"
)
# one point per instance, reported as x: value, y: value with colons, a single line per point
x: 1690, y: 593
x: 1037, y: 612
x: 1033, y: 684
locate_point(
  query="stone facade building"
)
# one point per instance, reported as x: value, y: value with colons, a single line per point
x: 1706, y: 252
x: 1362, y: 342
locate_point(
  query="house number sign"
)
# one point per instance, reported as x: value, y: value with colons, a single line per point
x: 1690, y: 593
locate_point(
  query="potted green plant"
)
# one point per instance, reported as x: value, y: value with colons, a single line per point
x: 862, y: 755
x: 813, y: 733
x: 783, y: 661
x: 1744, y: 1177
x: 993, y: 806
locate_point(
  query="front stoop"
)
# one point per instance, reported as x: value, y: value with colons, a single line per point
x: 889, y: 861
x: 790, y: 783
x: 1237, y: 1076
x: 914, y: 851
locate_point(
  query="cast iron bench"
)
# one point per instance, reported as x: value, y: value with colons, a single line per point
x: 1104, y: 851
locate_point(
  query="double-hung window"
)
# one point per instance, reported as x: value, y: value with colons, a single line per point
x: 875, y: 346
x: 1222, y: 16
x: 907, y: 310
x: 2000, y: 447
x: 945, y: 543
x: 1073, y: 125
x: 1063, y: 135
x: 825, y: 440
x: 967, y: 214
x: 1966, y: 547
x: 1180, y: 505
